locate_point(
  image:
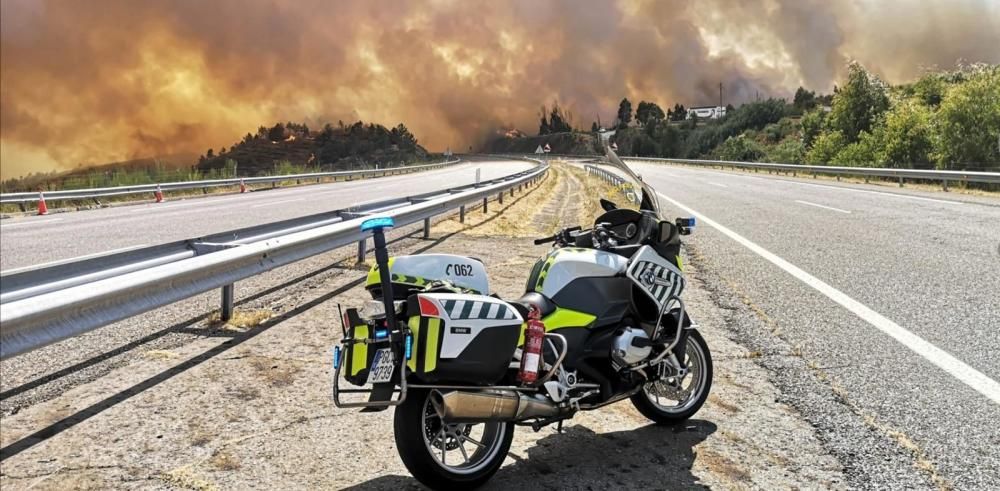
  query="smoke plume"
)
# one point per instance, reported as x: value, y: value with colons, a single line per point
x: 91, y: 82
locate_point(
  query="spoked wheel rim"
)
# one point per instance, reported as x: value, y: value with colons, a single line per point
x: 462, y: 448
x: 678, y: 394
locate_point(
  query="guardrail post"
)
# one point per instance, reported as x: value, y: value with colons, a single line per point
x: 461, y: 214
x: 362, y: 246
x: 900, y: 181
x: 944, y: 185
x: 486, y: 204
x: 228, y: 292
x: 500, y: 197
x: 427, y: 228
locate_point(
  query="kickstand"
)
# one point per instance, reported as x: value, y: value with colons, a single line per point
x: 559, y: 427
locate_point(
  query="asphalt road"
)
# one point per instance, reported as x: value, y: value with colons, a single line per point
x: 892, y: 296
x: 30, y: 241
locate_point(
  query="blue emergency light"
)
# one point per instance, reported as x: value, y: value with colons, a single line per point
x: 378, y: 222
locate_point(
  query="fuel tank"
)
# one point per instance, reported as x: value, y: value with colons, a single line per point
x: 561, y: 266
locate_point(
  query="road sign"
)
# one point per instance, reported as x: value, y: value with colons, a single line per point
x: 539, y: 149
x: 547, y: 148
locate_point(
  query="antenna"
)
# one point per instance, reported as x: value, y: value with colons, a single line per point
x: 720, y: 94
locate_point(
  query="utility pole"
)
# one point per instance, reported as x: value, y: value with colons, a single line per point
x: 720, y: 94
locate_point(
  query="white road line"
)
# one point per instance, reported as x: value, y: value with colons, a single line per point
x: 822, y: 206
x: 277, y: 202
x: 717, y: 184
x: 944, y: 360
x: 86, y: 256
x: 49, y: 220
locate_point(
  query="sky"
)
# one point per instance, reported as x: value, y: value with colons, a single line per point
x: 103, y: 80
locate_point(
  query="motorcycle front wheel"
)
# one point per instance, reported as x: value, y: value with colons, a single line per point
x: 674, y: 400
x: 448, y: 455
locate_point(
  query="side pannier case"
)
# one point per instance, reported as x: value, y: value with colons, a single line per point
x: 358, y: 358
x: 461, y: 337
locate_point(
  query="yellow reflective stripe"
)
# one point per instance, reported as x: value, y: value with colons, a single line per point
x: 567, y: 318
x: 433, y: 332
x: 373, y: 274
x: 414, y: 324
x: 561, y: 318
x: 359, y: 351
x: 680, y: 264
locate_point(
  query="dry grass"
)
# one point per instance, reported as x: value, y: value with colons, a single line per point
x: 512, y: 219
x: 199, y: 435
x: 722, y: 466
x: 225, y: 461
x: 721, y: 404
x: 242, y: 320
x: 185, y: 478
x: 158, y: 354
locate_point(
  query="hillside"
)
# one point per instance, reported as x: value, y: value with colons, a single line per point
x: 570, y: 143
x: 281, y: 149
x: 338, y: 147
x: 944, y: 120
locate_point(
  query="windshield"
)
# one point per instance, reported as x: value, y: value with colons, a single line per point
x: 645, y: 194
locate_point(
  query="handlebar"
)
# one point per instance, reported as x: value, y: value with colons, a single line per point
x: 562, y: 236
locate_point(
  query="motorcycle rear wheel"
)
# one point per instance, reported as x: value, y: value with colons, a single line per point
x: 671, y: 404
x: 425, y: 443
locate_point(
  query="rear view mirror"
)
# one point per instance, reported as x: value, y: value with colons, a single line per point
x: 667, y: 232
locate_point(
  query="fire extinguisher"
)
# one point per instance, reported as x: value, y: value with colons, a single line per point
x: 531, y: 353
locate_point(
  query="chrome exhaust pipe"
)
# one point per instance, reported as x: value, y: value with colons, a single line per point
x: 490, y: 405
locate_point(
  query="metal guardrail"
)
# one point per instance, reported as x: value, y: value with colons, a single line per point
x: 44, y: 305
x: 945, y: 176
x: 93, y: 193
x: 615, y: 180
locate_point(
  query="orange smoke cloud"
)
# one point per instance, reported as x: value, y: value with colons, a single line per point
x: 91, y: 82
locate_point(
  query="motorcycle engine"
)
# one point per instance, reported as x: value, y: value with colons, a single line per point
x: 624, y: 350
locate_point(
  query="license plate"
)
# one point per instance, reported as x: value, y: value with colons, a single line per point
x: 382, y: 367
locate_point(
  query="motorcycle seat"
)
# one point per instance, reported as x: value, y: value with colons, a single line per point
x: 544, y: 305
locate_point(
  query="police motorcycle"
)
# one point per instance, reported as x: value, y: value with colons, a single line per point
x: 601, y: 321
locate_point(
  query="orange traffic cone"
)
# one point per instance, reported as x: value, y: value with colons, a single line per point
x: 159, y: 194
x: 243, y: 186
x: 42, y: 208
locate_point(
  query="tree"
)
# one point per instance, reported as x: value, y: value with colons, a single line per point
x: 594, y: 128
x: 678, y: 113
x: 904, y: 139
x: 276, y: 133
x: 858, y: 104
x: 804, y: 100
x: 558, y: 121
x: 649, y: 112
x: 624, y: 113
x: 790, y: 151
x: 812, y: 126
x: 968, y: 123
x: 209, y: 154
x: 741, y: 149
x: 543, y: 124
x: 825, y: 147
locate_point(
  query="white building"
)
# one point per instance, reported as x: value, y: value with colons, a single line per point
x: 707, y: 112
